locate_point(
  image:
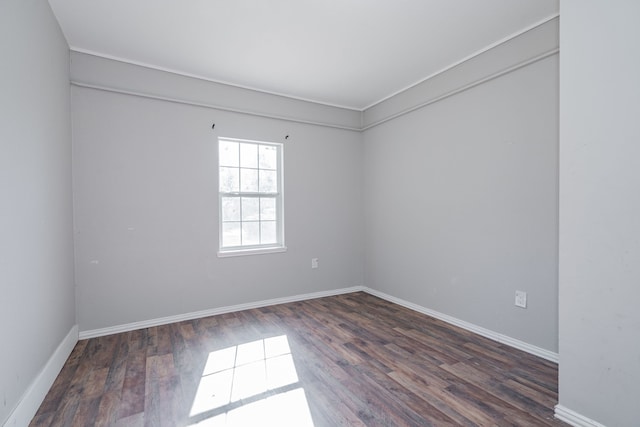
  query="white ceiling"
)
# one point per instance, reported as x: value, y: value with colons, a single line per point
x: 351, y: 53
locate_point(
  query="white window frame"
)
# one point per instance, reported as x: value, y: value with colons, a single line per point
x: 279, y: 245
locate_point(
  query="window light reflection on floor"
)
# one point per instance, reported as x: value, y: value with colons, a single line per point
x: 288, y: 409
x: 261, y: 372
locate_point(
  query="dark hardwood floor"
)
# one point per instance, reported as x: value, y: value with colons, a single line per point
x: 350, y: 360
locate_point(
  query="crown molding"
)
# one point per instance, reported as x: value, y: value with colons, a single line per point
x: 466, y: 58
x: 315, y: 101
x: 204, y: 78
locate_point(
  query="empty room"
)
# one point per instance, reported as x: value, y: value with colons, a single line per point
x: 319, y: 213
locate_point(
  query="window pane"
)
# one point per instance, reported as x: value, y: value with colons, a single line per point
x: 248, y: 155
x: 250, y: 208
x: 268, y: 181
x: 231, y: 234
x: 250, y: 233
x: 268, y: 157
x: 229, y: 153
x: 229, y: 179
x: 267, y: 208
x: 230, y: 209
x: 250, y: 214
x: 268, y: 232
x: 249, y: 180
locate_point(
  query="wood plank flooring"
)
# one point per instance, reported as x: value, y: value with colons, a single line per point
x: 350, y: 360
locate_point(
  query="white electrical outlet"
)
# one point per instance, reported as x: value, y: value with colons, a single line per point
x: 314, y: 262
x: 521, y: 299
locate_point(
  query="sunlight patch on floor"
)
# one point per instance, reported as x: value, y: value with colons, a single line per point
x: 284, y: 409
x: 244, y: 372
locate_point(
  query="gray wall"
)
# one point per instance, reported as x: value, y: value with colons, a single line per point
x: 146, y: 216
x: 461, y: 204
x: 600, y: 211
x: 36, y: 254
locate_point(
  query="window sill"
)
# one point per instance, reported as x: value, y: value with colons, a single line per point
x: 256, y: 251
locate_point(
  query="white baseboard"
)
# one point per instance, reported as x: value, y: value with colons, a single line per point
x: 38, y: 389
x: 504, y: 339
x: 573, y: 418
x: 212, y: 312
x: 521, y: 345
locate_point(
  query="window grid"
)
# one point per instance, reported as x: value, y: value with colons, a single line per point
x: 265, y: 162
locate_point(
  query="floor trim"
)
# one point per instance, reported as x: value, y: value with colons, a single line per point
x: 38, y: 389
x: 212, y: 312
x: 504, y: 339
x: 573, y: 418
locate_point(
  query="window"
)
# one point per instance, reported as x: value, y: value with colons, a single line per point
x: 250, y: 197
